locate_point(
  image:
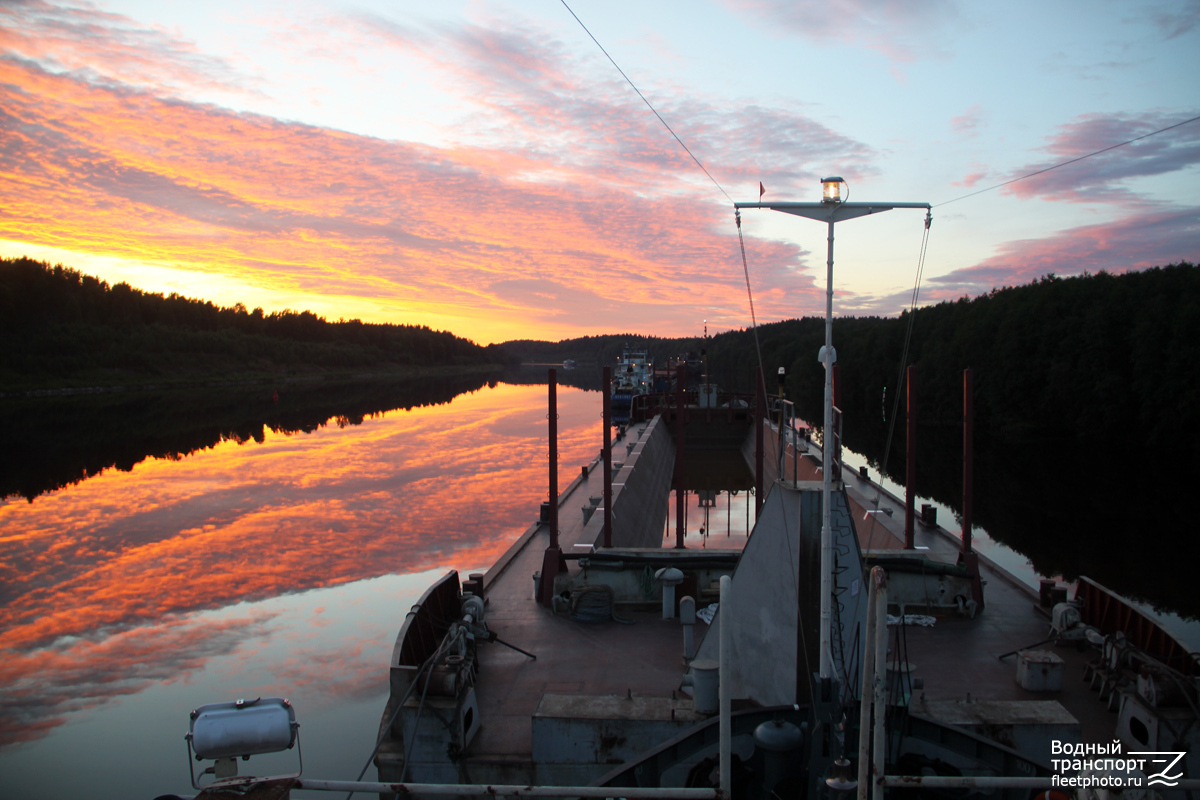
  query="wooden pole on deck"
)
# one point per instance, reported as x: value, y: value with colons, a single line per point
x: 760, y: 417
x: 968, y: 457
x: 680, y: 496
x: 607, y: 390
x: 552, y: 561
x: 910, y: 476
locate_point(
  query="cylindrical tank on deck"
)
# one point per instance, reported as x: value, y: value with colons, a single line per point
x: 706, y: 682
x: 777, y: 739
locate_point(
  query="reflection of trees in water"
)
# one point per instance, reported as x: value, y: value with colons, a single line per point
x: 1109, y: 511
x: 586, y: 377
x: 48, y: 443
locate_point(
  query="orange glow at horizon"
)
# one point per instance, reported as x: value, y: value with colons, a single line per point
x: 458, y: 239
x: 109, y: 567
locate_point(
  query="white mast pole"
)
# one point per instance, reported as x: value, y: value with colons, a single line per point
x: 832, y: 209
x: 827, y: 477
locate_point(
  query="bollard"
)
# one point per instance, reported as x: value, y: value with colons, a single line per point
x: 669, y: 577
x: 687, y: 616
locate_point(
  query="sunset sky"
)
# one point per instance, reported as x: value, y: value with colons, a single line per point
x: 481, y: 167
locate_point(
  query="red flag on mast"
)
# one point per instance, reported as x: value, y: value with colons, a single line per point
x: 761, y: 190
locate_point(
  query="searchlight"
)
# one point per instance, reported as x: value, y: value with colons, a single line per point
x: 223, y: 732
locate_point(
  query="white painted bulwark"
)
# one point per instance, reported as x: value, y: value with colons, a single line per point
x: 763, y: 636
x: 640, y: 491
x: 1028, y: 726
x: 577, y: 738
x: 782, y: 558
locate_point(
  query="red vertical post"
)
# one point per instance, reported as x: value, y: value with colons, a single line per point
x: 967, y: 557
x: 552, y: 416
x: 607, y: 384
x: 968, y: 457
x: 552, y: 561
x: 760, y: 420
x: 680, y: 498
x: 910, y: 477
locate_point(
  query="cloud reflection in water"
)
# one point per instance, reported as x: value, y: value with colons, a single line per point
x: 105, y: 581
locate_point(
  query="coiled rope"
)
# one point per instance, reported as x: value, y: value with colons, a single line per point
x: 594, y: 604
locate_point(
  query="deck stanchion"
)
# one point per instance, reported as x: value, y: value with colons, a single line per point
x: 968, y: 557
x: 680, y: 493
x: 864, y: 707
x: 968, y: 457
x: 552, y: 416
x: 837, y: 386
x: 607, y: 391
x: 725, y: 653
x: 552, y: 561
x: 760, y: 416
x: 910, y: 475
x: 879, y: 746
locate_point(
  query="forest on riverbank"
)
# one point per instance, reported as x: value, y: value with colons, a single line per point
x: 1085, y: 357
x: 63, y: 329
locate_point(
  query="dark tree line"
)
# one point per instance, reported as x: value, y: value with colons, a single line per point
x: 1083, y: 357
x: 64, y: 328
x: 589, y: 351
x: 1087, y: 397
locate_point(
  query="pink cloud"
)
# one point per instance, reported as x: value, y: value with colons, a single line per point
x: 967, y: 124
x: 971, y: 179
x: 563, y: 111
x: 100, y: 45
x: 1101, y: 178
x: 1135, y: 242
x: 1174, y: 22
x: 1139, y: 241
x: 902, y: 30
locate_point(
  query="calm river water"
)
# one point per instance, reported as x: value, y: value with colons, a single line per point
x: 280, y: 567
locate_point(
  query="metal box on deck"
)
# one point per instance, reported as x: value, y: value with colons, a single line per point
x: 1039, y: 671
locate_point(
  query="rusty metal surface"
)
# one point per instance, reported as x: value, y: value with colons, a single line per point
x: 1109, y: 613
x: 267, y: 790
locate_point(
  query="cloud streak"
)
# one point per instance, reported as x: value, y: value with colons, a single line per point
x: 435, y: 234
x: 106, y: 47
x: 1139, y: 241
x: 1100, y: 178
x: 44, y: 688
x: 901, y: 31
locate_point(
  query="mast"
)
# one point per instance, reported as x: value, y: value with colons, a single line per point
x: 830, y: 210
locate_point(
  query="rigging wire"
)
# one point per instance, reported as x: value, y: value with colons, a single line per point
x: 647, y: 102
x: 745, y: 269
x: 426, y: 666
x: 916, y: 293
x: 1071, y: 161
x: 737, y: 215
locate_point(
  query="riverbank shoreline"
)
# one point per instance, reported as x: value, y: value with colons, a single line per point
x: 224, y: 382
